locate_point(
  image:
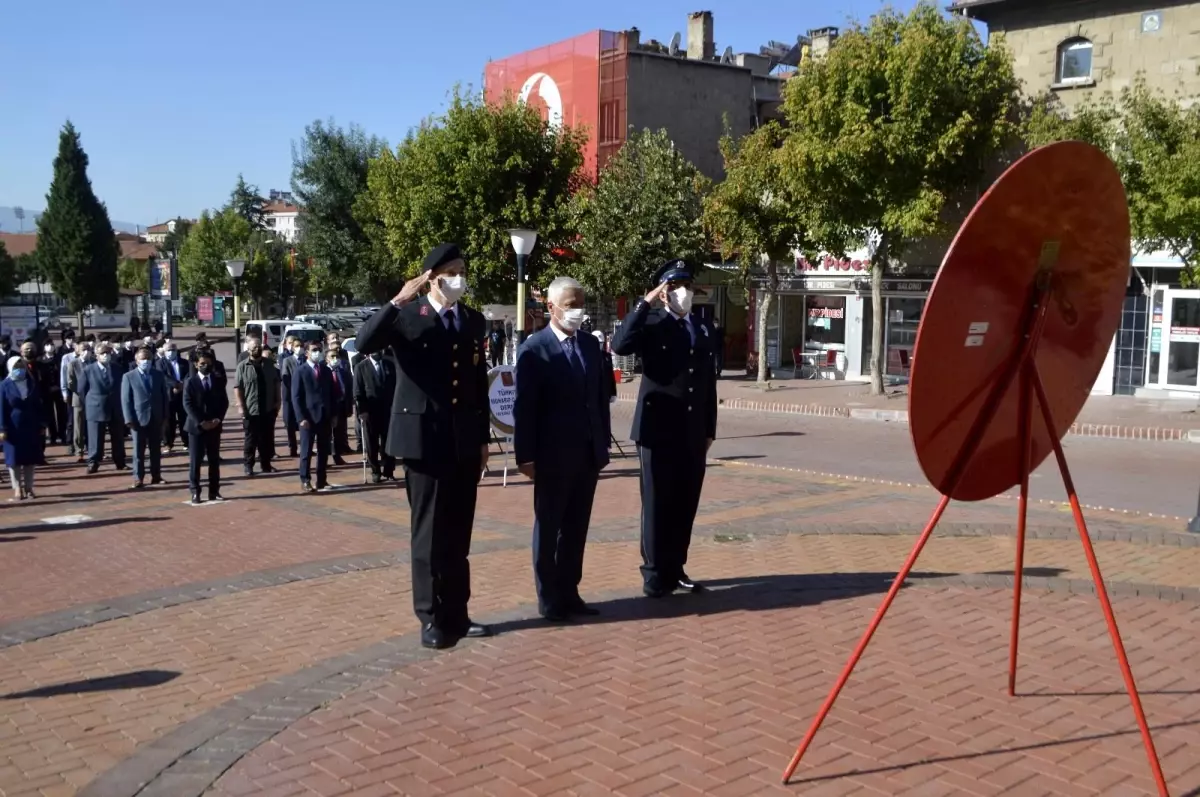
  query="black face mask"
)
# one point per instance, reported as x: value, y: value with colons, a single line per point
x: 204, y: 368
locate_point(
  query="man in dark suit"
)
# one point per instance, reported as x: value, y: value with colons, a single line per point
x: 145, y: 400
x: 292, y: 356
x: 205, y: 402
x: 176, y: 370
x: 101, y: 391
x: 374, y: 387
x: 561, y: 439
x: 674, y: 423
x: 312, y: 401
x: 338, y: 363
x: 439, y: 429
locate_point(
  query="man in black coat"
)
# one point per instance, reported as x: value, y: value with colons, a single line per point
x: 440, y: 429
x: 674, y: 423
x: 374, y: 387
x: 177, y: 370
x: 312, y: 402
x: 205, y: 402
x: 561, y: 438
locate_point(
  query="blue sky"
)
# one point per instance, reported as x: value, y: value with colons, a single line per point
x: 173, y: 100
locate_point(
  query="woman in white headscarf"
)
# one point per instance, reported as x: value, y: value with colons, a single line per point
x: 20, y: 427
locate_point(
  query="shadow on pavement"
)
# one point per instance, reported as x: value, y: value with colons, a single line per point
x: 764, y: 434
x: 998, y: 751
x: 138, y: 679
x: 740, y: 457
x: 87, y: 524
x: 1030, y: 572
x: 22, y: 538
x: 761, y: 593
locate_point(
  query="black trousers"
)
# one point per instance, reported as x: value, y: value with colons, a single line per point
x: 176, y: 418
x: 442, y: 500
x: 257, y: 431
x: 671, y: 481
x: 341, y: 435
x: 374, y: 431
x: 291, y: 426
x: 56, y: 417
x: 562, y: 509
x: 115, y: 432
x: 319, y: 435
x: 205, y: 446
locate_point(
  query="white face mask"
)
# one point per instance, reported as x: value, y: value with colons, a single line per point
x: 571, y: 320
x: 453, y: 287
x: 681, y: 300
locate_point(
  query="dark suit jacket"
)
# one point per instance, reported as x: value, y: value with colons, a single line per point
x: 346, y: 406
x: 557, y: 419
x: 312, y: 394
x: 101, y: 391
x: 440, y: 410
x: 677, y: 400
x: 202, y: 405
x: 185, y: 370
x: 372, y: 394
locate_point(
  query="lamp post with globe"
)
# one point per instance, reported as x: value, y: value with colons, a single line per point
x: 236, y: 268
x: 523, y: 241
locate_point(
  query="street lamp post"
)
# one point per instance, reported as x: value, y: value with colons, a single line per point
x: 236, y: 268
x: 523, y: 242
x: 1194, y: 526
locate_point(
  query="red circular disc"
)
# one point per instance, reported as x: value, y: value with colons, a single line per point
x: 1060, y: 209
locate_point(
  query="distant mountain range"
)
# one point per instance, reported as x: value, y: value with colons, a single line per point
x: 10, y: 223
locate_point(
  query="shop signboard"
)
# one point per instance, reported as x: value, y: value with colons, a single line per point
x: 1155, y: 340
x: 204, y: 308
x: 164, y: 281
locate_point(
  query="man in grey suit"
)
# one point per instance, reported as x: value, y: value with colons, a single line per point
x: 145, y: 402
x: 101, y: 391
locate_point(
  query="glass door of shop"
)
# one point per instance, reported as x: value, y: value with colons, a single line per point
x: 1181, y: 322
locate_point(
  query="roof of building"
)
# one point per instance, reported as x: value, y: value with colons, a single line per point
x: 274, y: 208
x: 19, y: 243
x: 983, y: 10
x: 138, y: 250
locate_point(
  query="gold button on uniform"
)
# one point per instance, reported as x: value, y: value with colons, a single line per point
x: 455, y: 401
x: 689, y: 408
x: 455, y: 383
x: 455, y: 347
x: 454, y: 365
x: 691, y: 389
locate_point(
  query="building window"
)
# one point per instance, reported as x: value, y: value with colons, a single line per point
x: 1074, y: 61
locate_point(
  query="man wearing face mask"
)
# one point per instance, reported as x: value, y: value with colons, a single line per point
x: 674, y: 423
x: 338, y: 362
x: 312, y: 401
x: 256, y: 393
x: 5, y: 354
x: 145, y: 401
x: 205, y: 402
x: 561, y: 440
x: 101, y: 391
x: 374, y: 386
x: 294, y: 350
x: 84, y: 356
x: 176, y: 370
x: 49, y: 369
x: 439, y: 428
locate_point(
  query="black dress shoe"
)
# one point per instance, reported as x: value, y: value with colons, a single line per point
x: 556, y: 615
x: 158, y: 480
x: 196, y: 499
x: 216, y: 498
x: 435, y: 638
x: 581, y: 609
x: 137, y: 485
x: 339, y: 461
x: 686, y: 583
x: 268, y: 469
x: 307, y: 487
x: 376, y: 478
x: 655, y: 591
x: 474, y: 630
x: 248, y: 472
x: 93, y: 468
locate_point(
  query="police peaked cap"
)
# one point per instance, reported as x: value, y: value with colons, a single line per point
x: 440, y: 255
x: 672, y: 271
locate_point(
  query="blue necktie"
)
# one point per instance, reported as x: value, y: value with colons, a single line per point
x: 575, y: 356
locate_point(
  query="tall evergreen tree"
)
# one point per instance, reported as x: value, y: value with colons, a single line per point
x: 76, y: 248
x: 246, y: 202
x: 8, y: 272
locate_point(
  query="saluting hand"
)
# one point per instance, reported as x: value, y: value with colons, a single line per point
x: 412, y: 289
x: 659, y: 294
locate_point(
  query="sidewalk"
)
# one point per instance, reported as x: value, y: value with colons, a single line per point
x: 1123, y: 417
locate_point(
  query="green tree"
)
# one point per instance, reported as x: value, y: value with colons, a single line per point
x: 900, y: 117
x: 8, y: 272
x: 76, y: 246
x: 1155, y: 142
x: 247, y: 203
x: 751, y: 215
x: 217, y: 236
x: 329, y: 175
x: 134, y: 275
x: 174, y: 239
x: 646, y: 208
x: 470, y: 175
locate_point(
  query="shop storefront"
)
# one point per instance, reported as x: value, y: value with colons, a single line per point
x: 821, y: 322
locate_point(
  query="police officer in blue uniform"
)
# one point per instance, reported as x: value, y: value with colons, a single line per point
x: 674, y: 423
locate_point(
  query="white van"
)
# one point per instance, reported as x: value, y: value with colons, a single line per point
x: 270, y: 331
x: 305, y: 333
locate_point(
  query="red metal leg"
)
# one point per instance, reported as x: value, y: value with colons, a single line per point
x: 862, y: 643
x: 1101, y: 592
x: 1025, y: 421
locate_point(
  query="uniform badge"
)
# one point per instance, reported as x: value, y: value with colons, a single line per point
x: 424, y: 309
x: 475, y: 358
x: 704, y: 330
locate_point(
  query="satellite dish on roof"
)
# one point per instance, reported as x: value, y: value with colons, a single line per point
x: 727, y: 56
x: 674, y: 49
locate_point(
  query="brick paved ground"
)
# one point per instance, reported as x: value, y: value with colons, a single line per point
x: 226, y: 625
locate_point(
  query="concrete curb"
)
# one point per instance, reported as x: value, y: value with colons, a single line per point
x: 1109, y: 431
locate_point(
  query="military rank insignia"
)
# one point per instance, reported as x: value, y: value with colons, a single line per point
x: 424, y: 309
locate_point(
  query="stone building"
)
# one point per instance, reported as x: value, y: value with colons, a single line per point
x: 1077, y: 48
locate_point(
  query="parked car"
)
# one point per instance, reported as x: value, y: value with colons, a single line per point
x: 306, y: 333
